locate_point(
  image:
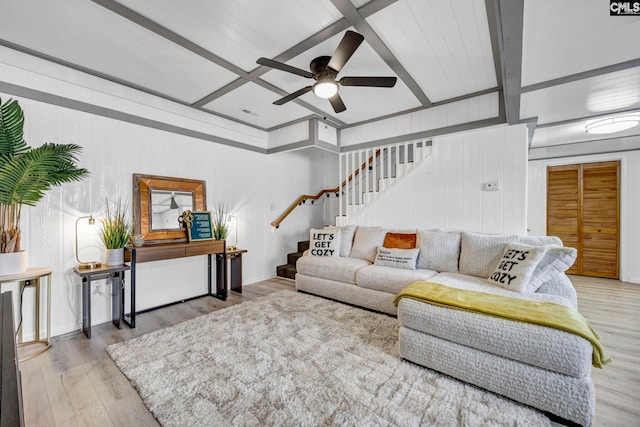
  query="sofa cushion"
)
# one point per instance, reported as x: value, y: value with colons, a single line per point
x: 515, y: 268
x: 463, y: 281
x: 346, y: 238
x: 324, y: 243
x: 389, y: 279
x: 562, y: 286
x: 331, y: 268
x: 480, y: 253
x: 400, y: 240
x: 366, y: 242
x: 547, y: 348
x: 439, y: 250
x: 397, y: 258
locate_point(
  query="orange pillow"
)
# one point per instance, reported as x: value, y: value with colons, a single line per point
x: 400, y: 240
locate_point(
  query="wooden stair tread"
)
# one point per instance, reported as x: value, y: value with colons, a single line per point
x: 287, y: 271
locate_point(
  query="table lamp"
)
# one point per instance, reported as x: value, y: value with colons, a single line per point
x: 232, y: 230
x: 82, y: 265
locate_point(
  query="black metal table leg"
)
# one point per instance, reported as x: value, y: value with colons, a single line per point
x: 221, y: 276
x: 209, y: 274
x: 130, y: 319
x: 236, y: 272
x: 117, y: 296
x: 86, y: 306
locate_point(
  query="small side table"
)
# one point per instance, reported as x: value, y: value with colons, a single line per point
x: 31, y: 279
x: 117, y: 292
x: 235, y: 255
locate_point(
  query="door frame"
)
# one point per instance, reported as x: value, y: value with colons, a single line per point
x: 581, y: 184
x: 623, y: 255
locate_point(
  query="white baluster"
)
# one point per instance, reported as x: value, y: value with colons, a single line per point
x: 375, y: 173
x: 340, y: 174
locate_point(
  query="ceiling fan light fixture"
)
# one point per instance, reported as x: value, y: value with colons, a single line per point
x: 613, y: 124
x: 325, y: 88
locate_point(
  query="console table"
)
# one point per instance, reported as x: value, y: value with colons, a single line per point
x: 161, y: 251
x: 117, y: 292
x: 235, y: 255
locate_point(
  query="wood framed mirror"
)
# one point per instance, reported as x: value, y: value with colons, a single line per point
x: 158, y: 201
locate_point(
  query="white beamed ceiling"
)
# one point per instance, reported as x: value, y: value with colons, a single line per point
x: 243, y: 103
x: 88, y: 35
x: 573, y: 36
x: 576, y: 62
x: 447, y: 42
x: 261, y: 28
x: 616, y: 91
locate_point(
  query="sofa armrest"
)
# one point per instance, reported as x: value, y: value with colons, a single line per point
x: 560, y: 285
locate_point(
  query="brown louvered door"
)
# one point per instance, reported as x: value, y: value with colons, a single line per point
x: 563, y: 207
x: 583, y: 210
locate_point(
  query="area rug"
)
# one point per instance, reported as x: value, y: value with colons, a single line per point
x: 291, y: 359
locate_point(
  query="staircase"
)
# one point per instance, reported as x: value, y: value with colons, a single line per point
x: 288, y: 270
x: 363, y: 176
x: 376, y: 170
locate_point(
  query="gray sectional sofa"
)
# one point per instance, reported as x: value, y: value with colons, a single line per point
x: 543, y: 367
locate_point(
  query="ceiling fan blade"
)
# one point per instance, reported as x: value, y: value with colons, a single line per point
x: 369, y: 81
x: 293, y: 95
x: 284, y: 67
x: 348, y: 45
x: 337, y: 104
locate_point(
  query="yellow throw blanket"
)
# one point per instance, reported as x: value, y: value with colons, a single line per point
x: 540, y: 313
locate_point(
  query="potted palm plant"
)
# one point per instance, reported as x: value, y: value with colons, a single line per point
x: 26, y: 174
x: 115, y: 233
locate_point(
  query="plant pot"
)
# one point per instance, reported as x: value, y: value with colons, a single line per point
x: 13, y: 263
x: 114, y: 257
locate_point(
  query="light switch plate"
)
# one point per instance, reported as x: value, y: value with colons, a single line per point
x: 491, y: 186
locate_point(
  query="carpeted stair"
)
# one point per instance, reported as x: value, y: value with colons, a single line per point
x: 288, y: 270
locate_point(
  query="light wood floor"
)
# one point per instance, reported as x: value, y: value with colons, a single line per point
x: 75, y: 383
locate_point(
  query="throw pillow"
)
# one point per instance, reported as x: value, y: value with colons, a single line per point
x: 557, y: 259
x: 324, y: 242
x: 400, y: 240
x: 366, y: 242
x: 397, y: 258
x: 346, y: 238
x: 516, y: 266
x: 479, y: 253
x: 439, y: 250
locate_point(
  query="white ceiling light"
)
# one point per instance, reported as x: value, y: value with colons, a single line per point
x: 613, y: 124
x: 325, y: 88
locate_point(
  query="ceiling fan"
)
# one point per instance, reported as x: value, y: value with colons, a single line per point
x: 324, y: 69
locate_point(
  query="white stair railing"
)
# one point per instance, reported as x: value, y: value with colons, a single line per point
x: 365, y: 174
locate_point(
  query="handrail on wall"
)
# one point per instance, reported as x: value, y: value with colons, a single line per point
x: 305, y: 197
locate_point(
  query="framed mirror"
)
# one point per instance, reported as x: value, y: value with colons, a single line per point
x: 158, y: 201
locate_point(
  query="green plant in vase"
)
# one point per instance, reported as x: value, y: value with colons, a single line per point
x: 115, y: 232
x: 26, y: 174
x: 220, y: 221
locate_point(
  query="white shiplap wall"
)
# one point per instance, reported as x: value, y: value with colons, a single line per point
x: 291, y: 134
x: 467, y: 110
x: 256, y: 187
x: 629, y: 203
x: 445, y: 190
x: 19, y: 69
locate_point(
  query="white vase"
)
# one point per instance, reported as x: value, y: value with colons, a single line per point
x: 13, y: 263
x: 114, y: 257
